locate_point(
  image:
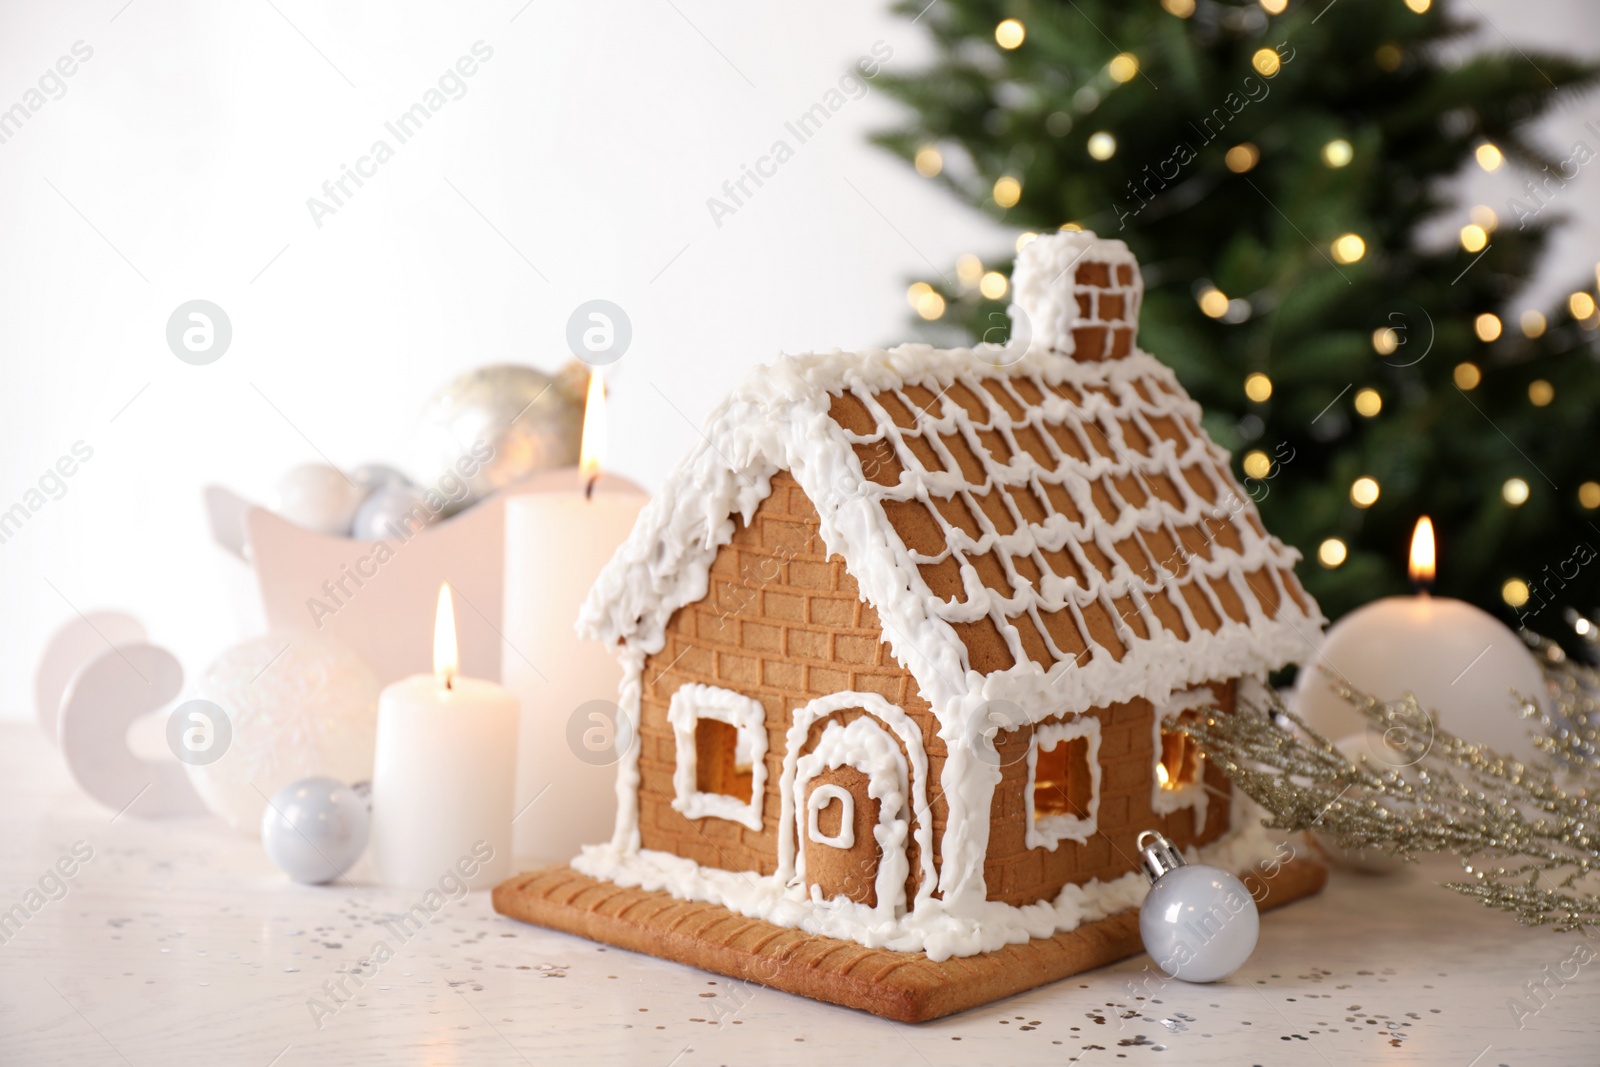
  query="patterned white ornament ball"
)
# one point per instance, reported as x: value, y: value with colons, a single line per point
x: 316, y: 829
x: 298, y: 705
x: 319, y: 497
x: 392, y: 507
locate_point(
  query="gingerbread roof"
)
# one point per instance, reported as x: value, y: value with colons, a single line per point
x: 1043, y: 523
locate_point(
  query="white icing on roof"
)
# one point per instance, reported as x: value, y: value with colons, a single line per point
x: 779, y: 420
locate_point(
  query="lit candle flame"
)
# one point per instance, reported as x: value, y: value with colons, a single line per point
x: 1422, y: 552
x: 592, y: 450
x: 1161, y: 774
x: 446, y: 663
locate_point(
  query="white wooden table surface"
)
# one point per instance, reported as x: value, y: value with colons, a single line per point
x: 178, y: 943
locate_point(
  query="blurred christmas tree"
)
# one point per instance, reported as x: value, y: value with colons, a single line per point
x: 1277, y: 167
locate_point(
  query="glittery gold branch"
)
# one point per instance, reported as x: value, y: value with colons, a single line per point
x: 1526, y: 834
x: 1572, y: 732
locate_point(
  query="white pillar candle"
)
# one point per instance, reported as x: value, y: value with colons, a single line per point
x: 557, y: 541
x: 444, y: 776
x: 1460, y: 662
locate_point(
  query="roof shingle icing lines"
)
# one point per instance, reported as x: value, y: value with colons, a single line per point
x: 1044, y: 522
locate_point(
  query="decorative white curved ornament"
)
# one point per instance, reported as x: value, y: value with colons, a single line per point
x: 101, y: 702
x: 83, y: 638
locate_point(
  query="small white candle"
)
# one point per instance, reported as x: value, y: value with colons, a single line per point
x: 557, y: 541
x: 443, y: 780
x: 1458, y: 660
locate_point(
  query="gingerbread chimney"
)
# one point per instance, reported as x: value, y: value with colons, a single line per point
x: 1078, y: 295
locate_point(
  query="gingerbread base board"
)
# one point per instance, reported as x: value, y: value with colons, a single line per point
x: 905, y: 986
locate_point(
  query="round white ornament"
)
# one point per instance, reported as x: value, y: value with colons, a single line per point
x: 319, y: 497
x: 298, y: 705
x: 316, y: 829
x: 1198, y: 923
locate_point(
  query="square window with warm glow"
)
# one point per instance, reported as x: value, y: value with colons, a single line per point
x: 718, y: 767
x: 721, y: 749
x: 1061, y: 779
x: 1179, y: 765
x: 1063, y: 788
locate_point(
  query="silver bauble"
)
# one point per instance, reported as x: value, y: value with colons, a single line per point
x: 1199, y: 923
x: 316, y: 829
x: 374, y: 476
x: 494, y: 426
x: 392, y: 508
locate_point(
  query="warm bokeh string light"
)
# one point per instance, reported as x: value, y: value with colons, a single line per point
x: 1332, y: 553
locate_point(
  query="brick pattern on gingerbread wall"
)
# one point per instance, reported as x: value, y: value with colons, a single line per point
x: 784, y: 624
x: 1019, y: 875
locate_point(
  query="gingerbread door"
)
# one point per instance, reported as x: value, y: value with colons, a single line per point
x: 851, y: 819
x: 842, y: 854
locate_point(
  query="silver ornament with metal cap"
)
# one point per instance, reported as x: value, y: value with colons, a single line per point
x: 1199, y: 923
x: 493, y: 426
x: 314, y: 830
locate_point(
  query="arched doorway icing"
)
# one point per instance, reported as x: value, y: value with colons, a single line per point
x: 873, y: 771
x: 852, y: 817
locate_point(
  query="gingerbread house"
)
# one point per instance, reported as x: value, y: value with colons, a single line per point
x: 905, y: 640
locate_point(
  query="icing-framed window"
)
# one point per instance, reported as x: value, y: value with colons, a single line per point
x: 1178, y: 768
x: 823, y: 797
x: 1063, y: 791
x: 721, y: 742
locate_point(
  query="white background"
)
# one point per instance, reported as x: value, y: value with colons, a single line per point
x: 178, y: 164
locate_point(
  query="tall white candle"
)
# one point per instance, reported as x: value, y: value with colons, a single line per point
x: 444, y: 776
x: 557, y: 540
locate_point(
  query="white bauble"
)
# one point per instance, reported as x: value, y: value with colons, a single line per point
x: 1199, y: 923
x: 315, y: 830
x: 1461, y: 663
x: 319, y: 497
x: 299, y: 705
